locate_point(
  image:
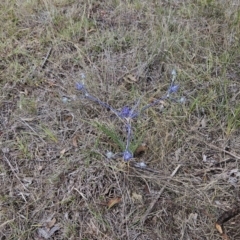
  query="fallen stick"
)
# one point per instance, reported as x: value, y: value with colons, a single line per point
x: 226, y: 216
x: 13, y: 171
x: 216, y: 148
x: 144, y: 217
x: 46, y: 58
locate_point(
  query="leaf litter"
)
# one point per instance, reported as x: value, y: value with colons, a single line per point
x: 49, y: 229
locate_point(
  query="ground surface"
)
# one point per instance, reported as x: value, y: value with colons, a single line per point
x: 56, y: 181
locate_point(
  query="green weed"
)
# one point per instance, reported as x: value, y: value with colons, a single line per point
x: 49, y: 134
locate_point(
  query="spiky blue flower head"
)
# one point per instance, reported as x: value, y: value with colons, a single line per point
x: 173, y: 89
x: 127, y: 155
x: 79, y: 86
x: 127, y: 112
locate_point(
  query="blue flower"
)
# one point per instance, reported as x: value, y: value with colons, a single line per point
x: 173, y: 89
x: 125, y: 112
x: 79, y: 86
x: 127, y: 155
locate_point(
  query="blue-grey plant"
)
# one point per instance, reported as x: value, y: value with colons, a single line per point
x: 81, y: 87
x: 127, y: 113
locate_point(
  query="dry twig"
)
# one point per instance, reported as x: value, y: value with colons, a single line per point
x: 144, y: 217
x: 46, y: 58
x: 224, y: 218
x: 12, y: 169
x: 198, y: 138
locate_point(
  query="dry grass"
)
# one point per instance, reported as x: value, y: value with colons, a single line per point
x: 55, y: 179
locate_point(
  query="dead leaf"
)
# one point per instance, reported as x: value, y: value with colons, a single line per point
x: 53, y: 230
x: 75, y: 141
x: 40, y: 168
x: 192, y: 219
x: 226, y: 216
x: 113, y: 202
x: 51, y: 223
x: 140, y: 150
x: 225, y: 237
x: 66, y: 115
x: 26, y: 91
x: 27, y: 181
x: 68, y: 118
x: 152, y: 99
x: 130, y: 78
x: 48, y: 229
x: 219, y: 228
x: 121, y: 165
x: 137, y: 197
x: 62, y: 152
x: 45, y: 233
